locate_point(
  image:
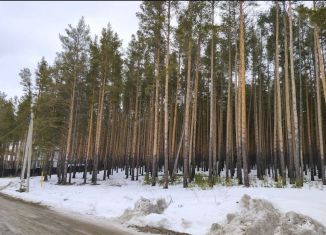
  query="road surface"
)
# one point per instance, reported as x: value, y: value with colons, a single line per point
x: 18, y: 217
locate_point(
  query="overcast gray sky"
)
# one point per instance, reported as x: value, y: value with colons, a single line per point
x: 30, y: 30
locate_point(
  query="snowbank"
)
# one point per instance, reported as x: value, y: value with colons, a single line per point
x: 258, y: 216
x: 191, y: 210
x: 144, y: 207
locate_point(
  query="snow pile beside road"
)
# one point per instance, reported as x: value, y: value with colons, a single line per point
x: 258, y: 216
x: 295, y: 223
x: 144, y: 207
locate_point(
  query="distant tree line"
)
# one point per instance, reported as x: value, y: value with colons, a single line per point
x: 203, y: 85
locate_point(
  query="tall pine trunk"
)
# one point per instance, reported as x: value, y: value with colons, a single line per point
x: 166, y: 110
x: 156, y: 117
x: 287, y: 102
x: 296, y: 152
x: 319, y: 124
x: 212, y: 119
x: 186, y: 120
x: 242, y: 79
x: 279, y: 128
x: 229, y: 112
x: 98, y: 134
x: 70, y: 127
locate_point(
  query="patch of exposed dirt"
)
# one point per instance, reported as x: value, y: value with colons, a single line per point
x: 156, y: 230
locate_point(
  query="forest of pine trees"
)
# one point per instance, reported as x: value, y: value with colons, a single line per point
x: 213, y: 86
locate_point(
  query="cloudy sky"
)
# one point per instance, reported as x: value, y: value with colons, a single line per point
x: 30, y: 30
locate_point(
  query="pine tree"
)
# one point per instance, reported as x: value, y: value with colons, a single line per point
x: 75, y: 45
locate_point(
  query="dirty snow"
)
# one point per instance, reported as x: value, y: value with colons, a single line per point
x: 144, y: 207
x: 191, y: 210
x: 259, y: 216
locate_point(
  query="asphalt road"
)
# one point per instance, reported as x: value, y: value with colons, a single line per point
x: 18, y: 217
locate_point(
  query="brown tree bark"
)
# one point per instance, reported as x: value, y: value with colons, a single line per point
x: 298, y: 176
x: 288, y: 114
x: 166, y: 110
x: 242, y: 79
x: 278, y: 103
x: 186, y: 120
x: 156, y: 117
x: 70, y: 126
x: 319, y: 113
x: 212, y: 122
x: 98, y: 133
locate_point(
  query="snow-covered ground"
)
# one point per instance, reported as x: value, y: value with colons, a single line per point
x: 192, y: 210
